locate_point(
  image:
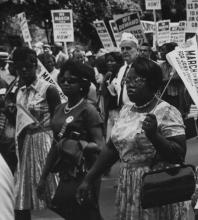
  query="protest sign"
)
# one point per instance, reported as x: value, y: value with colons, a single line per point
x: 174, y: 32
x: 131, y: 23
x: 148, y: 26
x: 116, y: 34
x: 182, y: 32
x: 24, y: 27
x: 44, y: 74
x: 153, y: 4
x: 103, y: 34
x: 23, y: 119
x: 163, y: 32
x: 62, y: 22
x: 192, y: 15
x: 184, y: 60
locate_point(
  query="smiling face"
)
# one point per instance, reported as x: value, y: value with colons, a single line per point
x: 129, y: 51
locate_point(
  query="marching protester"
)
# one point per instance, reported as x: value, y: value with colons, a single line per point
x: 113, y: 61
x: 39, y: 99
x: 60, y: 56
x: 146, y: 127
x: 78, y: 133
x: 129, y: 50
x: 174, y: 93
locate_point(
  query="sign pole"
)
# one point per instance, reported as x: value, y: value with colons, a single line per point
x: 155, y: 22
x: 65, y: 48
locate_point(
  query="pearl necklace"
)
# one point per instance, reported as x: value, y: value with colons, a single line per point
x: 145, y: 105
x: 67, y: 109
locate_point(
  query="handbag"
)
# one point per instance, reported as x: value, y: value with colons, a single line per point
x: 169, y: 185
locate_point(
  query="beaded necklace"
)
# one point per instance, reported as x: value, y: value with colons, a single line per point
x: 145, y: 105
x: 67, y: 109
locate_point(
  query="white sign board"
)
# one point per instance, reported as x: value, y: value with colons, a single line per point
x: 131, y: 23
x: 103, y: 34
x: 153, y: 4
x: 116, y: 33
x: 182, y: 32
x: 148, y: 26
x: 192, y: 15
x: 163, y: 32
x: 174, y: 32
x: 62, y: 21
x: 24, y: 27
x: 184, y: 60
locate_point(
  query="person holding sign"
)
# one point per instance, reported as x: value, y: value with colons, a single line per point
x: 38, y: 99
x: 78, y: 131
x: 147, y: 127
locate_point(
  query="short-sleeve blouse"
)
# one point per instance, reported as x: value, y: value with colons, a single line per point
x: 84, y: 117
x: 131, y: 141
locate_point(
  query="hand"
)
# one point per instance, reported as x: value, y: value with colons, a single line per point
x: 149, y: 125
x: 99, y: 78
x: 41, y: 188
x: 83, y: 193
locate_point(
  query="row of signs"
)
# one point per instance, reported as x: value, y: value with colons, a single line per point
x: 166, y: 31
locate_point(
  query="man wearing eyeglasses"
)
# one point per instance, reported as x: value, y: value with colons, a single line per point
x: 129, y: 50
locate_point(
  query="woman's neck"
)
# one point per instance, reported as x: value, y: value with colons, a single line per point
x: 73, y: 101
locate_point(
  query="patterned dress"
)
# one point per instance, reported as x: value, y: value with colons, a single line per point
x: 36, y: 143
x: 136, y: 152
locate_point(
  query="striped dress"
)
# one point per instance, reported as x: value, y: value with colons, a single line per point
x: 34, y: 147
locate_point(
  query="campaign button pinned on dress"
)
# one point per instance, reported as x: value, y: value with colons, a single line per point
x: 69, y: 119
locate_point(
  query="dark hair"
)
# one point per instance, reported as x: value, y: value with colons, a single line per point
x: 150, y: 70
x: 80, y: 70
x: 23, y: 53
x: 169, y: 46
x: 118, y: 59
x: 146, y: 44
x: 44, y: 57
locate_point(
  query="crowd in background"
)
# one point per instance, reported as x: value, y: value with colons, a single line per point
x: 97, y: 82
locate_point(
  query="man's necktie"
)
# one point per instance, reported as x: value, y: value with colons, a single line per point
x: 122, y: 85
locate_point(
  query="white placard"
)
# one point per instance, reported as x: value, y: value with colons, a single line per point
x: 192, y: 15
x: 174, y: 32
x: 148, y: 26
x: 184, y: 60
x: 24, y: 27
x: 103, y: 34
x: 163, y: 32
x: 182, y: 32
x: 153, y: 4
x: 62, y: 21
x: 116, y: 34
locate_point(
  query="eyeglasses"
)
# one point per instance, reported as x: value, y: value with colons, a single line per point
x: 135, y: 80
x: 126, y: 48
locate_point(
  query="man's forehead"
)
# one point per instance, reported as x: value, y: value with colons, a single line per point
x: 127, y: 43
x: 145, y: 47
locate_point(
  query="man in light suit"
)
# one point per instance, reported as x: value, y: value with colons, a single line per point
x: 129, y: 50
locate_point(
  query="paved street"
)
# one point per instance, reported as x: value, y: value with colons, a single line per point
x: 108, y: 189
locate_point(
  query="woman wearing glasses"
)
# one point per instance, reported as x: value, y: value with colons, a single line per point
x: 76, y: 125
x: 39, y: 99
x: 144, y: 127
